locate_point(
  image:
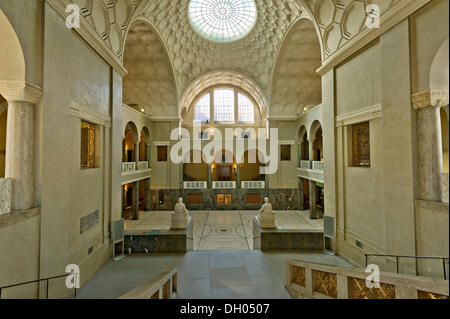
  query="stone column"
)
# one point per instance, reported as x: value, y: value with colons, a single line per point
x: 209, y: 176
x: 299, y: 152
x: 149, y: 157
x: 312, y: 199
x: 136, y: 154
x: 301, y: 195
x: 135, y: 201
x: 312, y: 185
x: 148, y: 195
x: 429, y: 148
x: 238, y: 176
x: 19, y: 163
x: 122, y: 188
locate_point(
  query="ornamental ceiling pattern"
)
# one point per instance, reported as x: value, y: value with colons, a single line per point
x: 337, y: 22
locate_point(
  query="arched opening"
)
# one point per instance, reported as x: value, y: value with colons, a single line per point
x: 318, y: 146
x: 295, y: 84
x: 128, y: 144
x: 12, y: 61
x: 144, y: 142
x: 439, y: 91
x: 12, y: 68
x: 305, y: 148
x: 317, y: 140
x: 149, y: 87
x: 3, y: 121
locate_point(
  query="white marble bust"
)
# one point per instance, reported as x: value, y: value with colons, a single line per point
x: 180, y: 216
x: 266, y: 215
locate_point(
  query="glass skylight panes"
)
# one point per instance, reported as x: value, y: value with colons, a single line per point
x: 202, y: 108
x: 222, y: 20
x: 246, y: 109
x: 224, y: 105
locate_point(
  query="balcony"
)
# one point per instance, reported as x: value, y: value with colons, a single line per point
x: 131, y: 167
x: 131, y: 174
x: 306, y: 164
x: 317, y: 166
x: 128, y: 167
x: 312, y: 170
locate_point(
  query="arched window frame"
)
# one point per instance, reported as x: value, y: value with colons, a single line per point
x: 237, y: 91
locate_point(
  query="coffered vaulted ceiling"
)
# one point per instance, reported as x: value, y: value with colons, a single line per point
x: 190, y: 56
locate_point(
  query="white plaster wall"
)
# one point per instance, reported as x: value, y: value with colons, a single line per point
x: 76, y: 77
x: 376, y: 205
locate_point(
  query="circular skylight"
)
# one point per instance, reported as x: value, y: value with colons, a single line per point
x: 222, y: 20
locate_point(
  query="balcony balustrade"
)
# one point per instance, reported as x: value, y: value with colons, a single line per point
x: 224, y: 185
x: 131, y: 167
x: 195, y: 185
x: 253, y: 185
x: 312, y: 165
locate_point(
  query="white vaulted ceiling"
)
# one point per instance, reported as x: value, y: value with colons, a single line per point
x: 336, y: 23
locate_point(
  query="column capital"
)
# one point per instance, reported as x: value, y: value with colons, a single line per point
x: 20, y: 91
x: 429, y: 98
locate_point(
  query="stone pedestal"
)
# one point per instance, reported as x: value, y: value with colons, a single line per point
x: 180, y: 221
x: 267, y: 221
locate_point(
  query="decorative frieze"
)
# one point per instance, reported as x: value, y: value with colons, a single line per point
x: 20, y: 91
x: 430, y: 98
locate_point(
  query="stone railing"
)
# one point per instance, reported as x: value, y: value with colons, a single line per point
x: 317, y: 166
x: 163, y: 286
x: 5, y: 196
x: 128, y: 167
x: 142, y: 165
x: 313, y: 165
x: 330, y: 282
x: 224, y: 185
x: 306, y: 164
x: 253, y: 185
x: 195, y: 185
x: 444, y: 187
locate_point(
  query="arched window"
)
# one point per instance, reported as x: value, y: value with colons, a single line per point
x: 246, y: 111
x: 225, y: 107
x: 202, y: 109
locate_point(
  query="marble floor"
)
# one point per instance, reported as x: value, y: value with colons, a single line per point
x: 245, y: 274
x: 224, y: 230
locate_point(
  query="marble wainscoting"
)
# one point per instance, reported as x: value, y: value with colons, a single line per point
x: 241, y: 199
x: 302, y: 239
x: 145, y: 238
x: 216, y: 229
